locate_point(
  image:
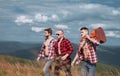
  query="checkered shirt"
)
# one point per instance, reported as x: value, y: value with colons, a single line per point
x: 50, y: 48
x: 92, y: 57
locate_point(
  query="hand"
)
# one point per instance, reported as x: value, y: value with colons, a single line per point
x: 72, y: 64
x: 64, y: 57
x: 87, y: 36
x: 38, y: 58
x: 57, y: 58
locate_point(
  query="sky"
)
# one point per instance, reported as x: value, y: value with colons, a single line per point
x: 25, y: 20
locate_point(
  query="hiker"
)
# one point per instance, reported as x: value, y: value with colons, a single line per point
x: 86, y: 53
x: 47, y: 50
x: 63, y: 50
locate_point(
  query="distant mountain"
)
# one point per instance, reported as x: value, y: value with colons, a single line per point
x: 109, y: 55
x: 11, y: 46
x: 13, y: 66
x: 106, y: 54
x: 19, y: 49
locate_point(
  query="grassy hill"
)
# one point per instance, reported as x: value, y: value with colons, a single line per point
x: 12, y: 66
x: 106, y: 54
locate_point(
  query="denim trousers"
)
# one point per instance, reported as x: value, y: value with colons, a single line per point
x: 88, y: 69
x: 46, y: 67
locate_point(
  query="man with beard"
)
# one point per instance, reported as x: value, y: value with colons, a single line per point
x: 47, y: 51
x: 63, y: 50
x: 86, y: 53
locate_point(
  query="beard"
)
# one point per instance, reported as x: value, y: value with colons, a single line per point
x: 46, y: 37
x: 58, y: 39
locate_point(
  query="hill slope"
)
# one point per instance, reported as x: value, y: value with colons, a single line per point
x: 106, y: 54
x: 12, y: 66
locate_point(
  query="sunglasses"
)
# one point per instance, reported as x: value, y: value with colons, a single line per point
x: 57, y: 34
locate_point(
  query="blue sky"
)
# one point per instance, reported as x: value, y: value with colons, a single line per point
x: 25, y: 20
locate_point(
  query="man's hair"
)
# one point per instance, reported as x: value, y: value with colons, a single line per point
x: 61, y: 30
x: 84, y: 28
x: 49, y: 30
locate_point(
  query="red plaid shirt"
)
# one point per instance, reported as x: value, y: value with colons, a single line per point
x: 92, y: 57
x: 65, y: 48
x: 50, y: 48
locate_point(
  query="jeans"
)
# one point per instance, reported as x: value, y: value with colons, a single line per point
x: 88, y: 69
x: 46, y: 67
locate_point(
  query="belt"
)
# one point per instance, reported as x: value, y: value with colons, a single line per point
x: 46, y: 55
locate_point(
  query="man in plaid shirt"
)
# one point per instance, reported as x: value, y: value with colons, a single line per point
x: 86, y: 53
x: 47, y: 51
x: 63, y: 50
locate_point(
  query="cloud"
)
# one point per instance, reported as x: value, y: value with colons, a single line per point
x: 44, y: 18
x: 37, y: 18
x: 23, y: 19
x: 99, y: 11
x: 89, y: 6
x: 96, y: 25
x: 60, y: 26
x: 37, y: 29
x: 115, y: 34
x: 54, y: 17
x: 115, y: 12
x: 41, y: 18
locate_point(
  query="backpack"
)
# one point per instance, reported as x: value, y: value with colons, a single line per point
x: 99, y: 34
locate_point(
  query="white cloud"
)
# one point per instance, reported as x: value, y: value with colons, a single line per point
x: 36, y: 19
x: 41, y: 18
x: 60, y: 26
x: 94, y: 26
x: 115, y: 12
x: 115, y: 34
x: 89, y: 6
x: 37, y: 29
x: 54, y: 17
x: 23, y: 19
x: 44, y: 18
x: 99, y: 9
